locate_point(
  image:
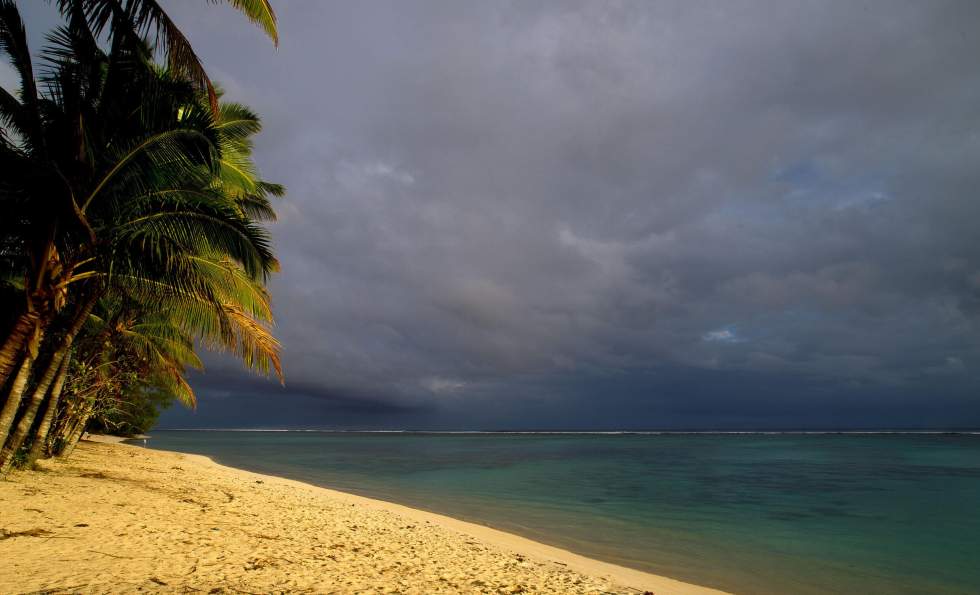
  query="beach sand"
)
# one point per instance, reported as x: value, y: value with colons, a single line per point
x: 115, y: 518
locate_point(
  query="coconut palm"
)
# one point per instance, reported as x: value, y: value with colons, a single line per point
x: 124, y: 350
x: 124, y: 23
x: 148, y: 191
x: 131, y: 20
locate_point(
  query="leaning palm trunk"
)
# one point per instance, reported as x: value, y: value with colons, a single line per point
x: 16, y: 438
x: 31, y: 340
x: 16, y: 341
x: 63, y: 420
x: 78, y: 429
x: 74, y: 414
x: 12, y: 403
x: 42, y: 304
x: 23, y: 428
x: 39, y: 446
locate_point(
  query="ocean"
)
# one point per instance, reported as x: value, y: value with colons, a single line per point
x: 747, y: 513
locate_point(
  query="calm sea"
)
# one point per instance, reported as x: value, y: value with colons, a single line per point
x: 748, y: 513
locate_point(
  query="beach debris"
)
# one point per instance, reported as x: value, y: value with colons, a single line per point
x: 262, y: 536
x: 121, y: 557
x: 4, y: 534
x: 95, y: 475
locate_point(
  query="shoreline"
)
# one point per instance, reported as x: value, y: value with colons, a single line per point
x: 620, y: 575
x: 514, y: 563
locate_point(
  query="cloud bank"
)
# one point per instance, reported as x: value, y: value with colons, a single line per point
x: 638, y: 214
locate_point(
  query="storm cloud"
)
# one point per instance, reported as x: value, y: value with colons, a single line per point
x: 614, y: 214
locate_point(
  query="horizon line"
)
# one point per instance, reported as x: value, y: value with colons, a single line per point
x: 931, y: 431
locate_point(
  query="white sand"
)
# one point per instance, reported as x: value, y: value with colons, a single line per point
x: 118, y: 519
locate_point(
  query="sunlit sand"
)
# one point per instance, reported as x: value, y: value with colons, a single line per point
x: 119, y: 518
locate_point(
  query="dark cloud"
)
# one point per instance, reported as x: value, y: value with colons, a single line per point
x: 645, y: 214
x: 231, y: 399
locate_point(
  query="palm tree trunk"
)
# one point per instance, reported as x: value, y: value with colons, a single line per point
x: 12, y: 404
x: 31, y: 325
x: 72, y: 412
x: 72, y: 406
x: 23, y: 427
x: 61, y: 420
x: 16, y: 439
x: 76, y: 434
x: 15, y: 342
x: 39, y: 446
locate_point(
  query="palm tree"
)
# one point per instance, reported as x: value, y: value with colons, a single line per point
x: 125, y: 349
x: 158, y: 198
x: 132, y: 20
x: 125, y: 23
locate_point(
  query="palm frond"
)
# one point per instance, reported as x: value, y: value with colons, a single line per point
x: 183, y: 146
x: 13, y: 41
x: 254, y: 343
x: 259, y: 12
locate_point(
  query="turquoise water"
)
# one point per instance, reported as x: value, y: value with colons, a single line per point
x: 746, y: 513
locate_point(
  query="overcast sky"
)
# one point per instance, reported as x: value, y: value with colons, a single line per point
x: 611, y: 215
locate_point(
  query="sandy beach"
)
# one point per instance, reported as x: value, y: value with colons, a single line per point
x: 116, y: 518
